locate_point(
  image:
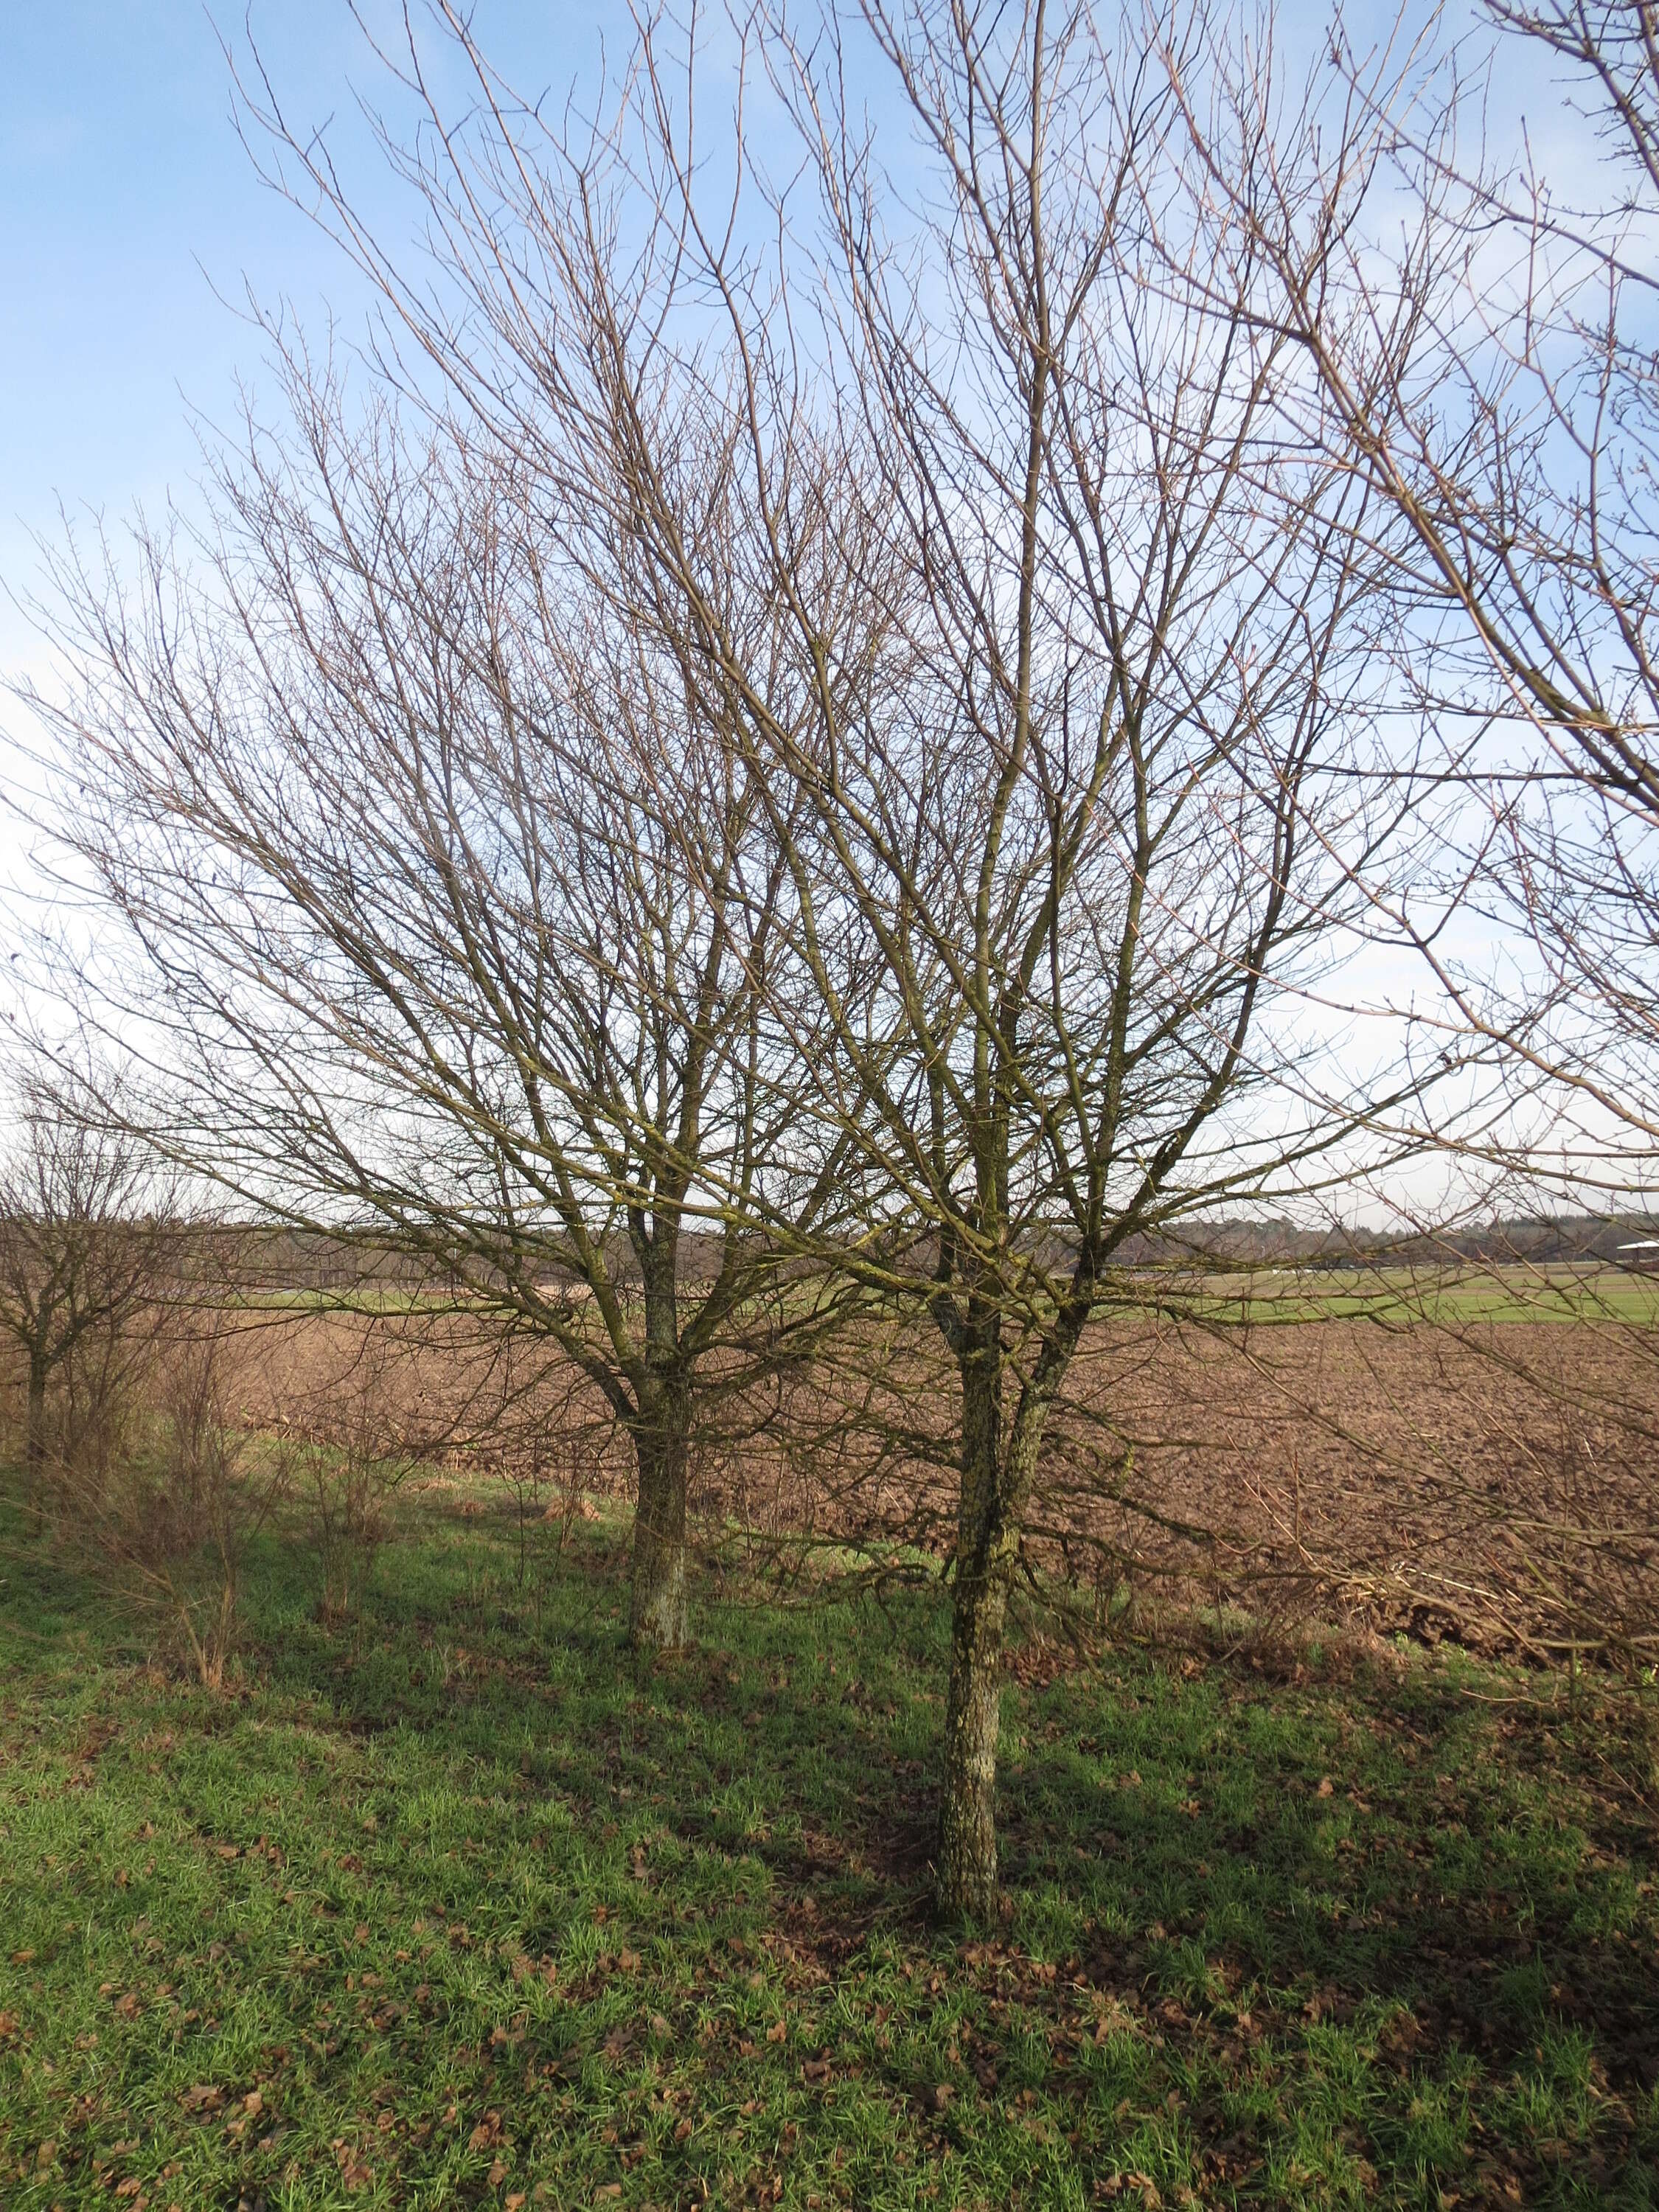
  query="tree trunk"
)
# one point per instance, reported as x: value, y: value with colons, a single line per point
x: 662, y: 1429
x: 34, y: 1444
x: 999, y: 1467
x: 966, y: 1878
x: 966, y: 1881
x: 657, y: 1615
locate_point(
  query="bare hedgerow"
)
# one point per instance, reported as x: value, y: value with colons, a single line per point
x: 85, y: 1243
x: 345, y: 1451
x: 159, y: 1491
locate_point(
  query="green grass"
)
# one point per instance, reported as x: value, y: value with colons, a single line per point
x: 368, y: 1298
x: 464, y: 1906
x: 1451, y: 1296
x: 1448, y: 1297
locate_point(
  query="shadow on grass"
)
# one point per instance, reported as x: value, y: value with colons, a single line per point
x: 520, y: 1909
x: 1379, y: 1834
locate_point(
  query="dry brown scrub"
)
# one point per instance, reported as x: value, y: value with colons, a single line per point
x: 1493, y: 1483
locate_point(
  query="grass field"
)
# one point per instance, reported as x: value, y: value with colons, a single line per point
x: 464, y: 1906
x: 1447, y: 1297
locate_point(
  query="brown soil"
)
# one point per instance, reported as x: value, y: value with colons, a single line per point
x: 1496, y: 1483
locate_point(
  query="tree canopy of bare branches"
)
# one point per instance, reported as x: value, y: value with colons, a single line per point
x: 400, y: 814
x: 1473, y: 309
x: 824, y: 710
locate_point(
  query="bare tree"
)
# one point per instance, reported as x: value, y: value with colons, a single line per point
x: 1470, y: 297
x: 985, y: 637
x: 1051, y: 694
x: 396, y: 813
x: 1087, y: 855
x: 80, y: 1245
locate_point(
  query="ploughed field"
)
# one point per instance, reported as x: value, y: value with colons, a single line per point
x: 457, y: 1903
x: 1476, y: 1460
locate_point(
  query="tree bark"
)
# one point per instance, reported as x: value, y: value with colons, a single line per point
x: 657, y: 1614
x: 34, y: 1443
x: 966, y: 1882
x: 966, y: 1878
x: 998, y: 1468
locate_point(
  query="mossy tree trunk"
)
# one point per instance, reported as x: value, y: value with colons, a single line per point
x: 966, y: 1872
x: 662, y: 1442
x: 657, y: 1613
x: 998, y: 1468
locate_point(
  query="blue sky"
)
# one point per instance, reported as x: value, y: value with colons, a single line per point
x: 126, y: 200
x: 131, y: 221
x: 119, y: 172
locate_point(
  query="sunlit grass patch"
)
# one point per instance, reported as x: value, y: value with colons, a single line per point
x: 459, y: 1903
